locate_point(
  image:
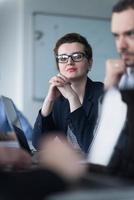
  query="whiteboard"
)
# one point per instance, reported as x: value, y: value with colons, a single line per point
x: 47, y: 28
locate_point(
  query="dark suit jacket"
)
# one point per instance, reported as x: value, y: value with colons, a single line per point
x: 81, y: 121
x: 122, y: 162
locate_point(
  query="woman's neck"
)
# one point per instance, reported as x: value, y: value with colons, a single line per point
x: 79, y: 87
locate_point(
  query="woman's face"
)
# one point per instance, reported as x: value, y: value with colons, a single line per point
x: 76, y: 65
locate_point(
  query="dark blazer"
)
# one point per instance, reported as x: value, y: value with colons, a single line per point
x: 122, y: 162
x: 81, y: 121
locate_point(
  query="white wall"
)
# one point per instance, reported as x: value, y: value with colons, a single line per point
x: 11, y: 62
x: 16, y: 50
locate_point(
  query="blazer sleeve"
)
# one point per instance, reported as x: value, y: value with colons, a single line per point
x: 42, y: 127
x: 82, y: 127
x: 83, y: 120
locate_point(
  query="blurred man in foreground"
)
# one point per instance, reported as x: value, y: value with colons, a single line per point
x: 119, y: 81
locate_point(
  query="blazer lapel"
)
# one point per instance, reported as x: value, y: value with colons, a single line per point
x: 88, y: 97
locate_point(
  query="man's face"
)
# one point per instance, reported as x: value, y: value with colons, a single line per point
x: 122, y: 27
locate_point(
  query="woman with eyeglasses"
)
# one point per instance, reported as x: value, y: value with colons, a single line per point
x: 71, y: 104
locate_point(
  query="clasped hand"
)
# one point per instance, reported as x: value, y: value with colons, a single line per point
x: 60, y: 85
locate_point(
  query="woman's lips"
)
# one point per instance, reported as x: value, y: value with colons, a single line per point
x: 71, y: 69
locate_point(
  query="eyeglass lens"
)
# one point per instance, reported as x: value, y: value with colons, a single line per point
x: 76, y: 57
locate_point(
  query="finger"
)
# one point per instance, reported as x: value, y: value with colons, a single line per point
x: 63, y: 78
x: 56, y: 84
x: 115, y: 63
x: 57, y: 79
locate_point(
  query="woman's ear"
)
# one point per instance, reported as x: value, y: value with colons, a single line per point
x: 90, y: 64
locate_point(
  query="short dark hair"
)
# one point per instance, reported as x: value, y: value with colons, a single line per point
x: 74, y: 37
x: 123, y: 5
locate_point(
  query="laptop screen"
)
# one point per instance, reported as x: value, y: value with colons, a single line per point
x: 11, y: 113
x: 14, y: 122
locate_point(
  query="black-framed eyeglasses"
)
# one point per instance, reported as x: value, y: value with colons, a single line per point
x: 76, y: 57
